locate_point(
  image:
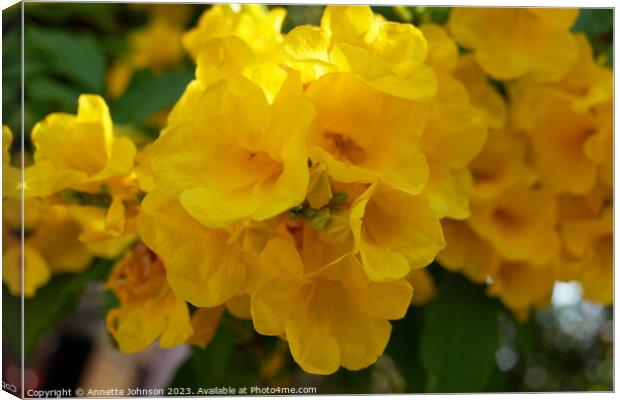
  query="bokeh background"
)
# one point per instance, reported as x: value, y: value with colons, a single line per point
x: 462, y: 341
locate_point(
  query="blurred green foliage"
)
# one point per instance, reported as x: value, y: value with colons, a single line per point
x: 148, y: 93
x: 459, y: 337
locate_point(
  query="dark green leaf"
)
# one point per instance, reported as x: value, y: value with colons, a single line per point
x: 609, y: 61
x: 404, y: 349
x: 76, y: 58
x: 594, y: 21
x: 597, y: 24
x: 148, y: 94
x: 11, y: 319
x: 459, y: 337
x: 61, y: 96
x: 94, y: 15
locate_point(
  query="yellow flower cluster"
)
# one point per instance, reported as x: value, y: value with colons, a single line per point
x: 542, y: 195
x: 301, y: 178
x: 156, y: 45
x: 304, y: 179
x: 81, y: 197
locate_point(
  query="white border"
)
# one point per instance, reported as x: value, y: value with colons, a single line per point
x: 501, y: 3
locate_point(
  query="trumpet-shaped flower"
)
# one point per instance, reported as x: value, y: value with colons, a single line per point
x: 522, y: 286
x: 387, y: 55
x: 251, y: 23
x: 346, y: 136
x: 500, y: 166
x: 587, y: 84
x: 590, y: 242
x: 394, y: 232
x: 230, y: 155
x: 520, y: 224
x: 577, y: 139
x: 483, y: 96
x: 158, y: 45
x: 455, y: 133
x: 148, y: 309
x: 51, y: 245
x: 77, y: 152
x: 230, y: 56
x: 510, y: 43
x: 331, y: 314
x: 176, y: 237
x: 466, y: 252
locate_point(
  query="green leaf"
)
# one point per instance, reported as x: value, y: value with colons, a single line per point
x: 76, y: 58
x: 609, y: 61
x: 597, y: 24
x: 404, y: 349
x: 100, y: 16
x: 527, y: 336
x: 50, y: 303
x: 231, y: 359
x: 307, y: 15
x: 61, y: 96
x: 148, y: 94
x: 594, y: 21
x: 11, y: 319
x: 459, y: 336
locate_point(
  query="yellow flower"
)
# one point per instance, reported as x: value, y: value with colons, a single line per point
x: 176, y: 237
x: 394, y: 232
x: 148, y: 309
x: 520, y: 224
x: 466, y: 252
x: 77, y: 151
x: 230, y: 57
x: 522, y: 286
x: 251, y: 23
x: 500, y: 166
x: 454, y: 137
x: 176, y: 14
x: 590, y: 242
x: 483, y: 96
x: 237, y: 157
x: 423, y: 286
x: 143, y: 168
x: 455, y: 134
x: 587, y: 83
x: 51, y: 245
x: 331, y: 314
x: 204, y: 325
x: 346, y: 136
x: 510, y: 43
x: 117, y: 78
x: 443, y: 57
x: 157, y: 45
x: 579, y: 139
x: 387, y: 55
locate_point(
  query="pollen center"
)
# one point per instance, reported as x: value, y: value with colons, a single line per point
x: 346, y: 148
